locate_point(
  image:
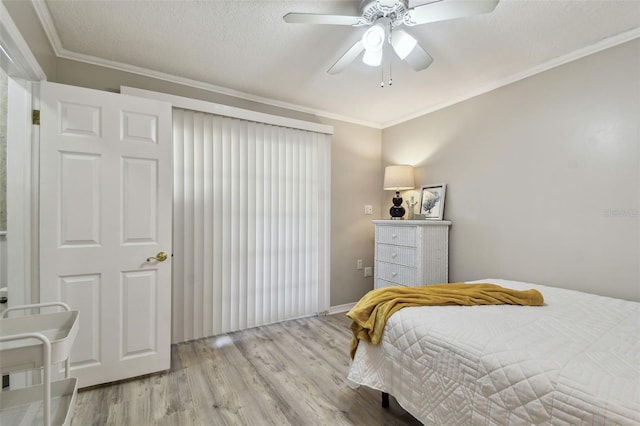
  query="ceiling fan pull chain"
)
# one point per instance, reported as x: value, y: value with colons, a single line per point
x: 390, y: 60
x: 381, y: 76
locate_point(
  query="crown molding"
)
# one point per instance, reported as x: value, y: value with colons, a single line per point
x: 15, y: 54
x: 65, y: 54
x: 47, y: 22
x: 553, y: 63
x: 48, y: 26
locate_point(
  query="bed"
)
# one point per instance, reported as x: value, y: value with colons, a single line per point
x: 575, y: 360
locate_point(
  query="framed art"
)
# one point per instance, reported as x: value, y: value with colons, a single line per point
x: 432, y: 201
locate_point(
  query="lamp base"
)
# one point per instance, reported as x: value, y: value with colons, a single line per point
x: 397, y: 211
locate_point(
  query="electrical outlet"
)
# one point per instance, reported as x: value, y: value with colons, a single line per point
x: 359, y: 264
x: 368, y: 271
x: 368, y: 209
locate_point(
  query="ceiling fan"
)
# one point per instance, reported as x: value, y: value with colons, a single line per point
x: 384, y: 17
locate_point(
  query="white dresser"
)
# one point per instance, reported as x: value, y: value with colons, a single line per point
x: 411, y: 252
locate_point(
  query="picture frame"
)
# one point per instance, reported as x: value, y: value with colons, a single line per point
x: 432, y: 201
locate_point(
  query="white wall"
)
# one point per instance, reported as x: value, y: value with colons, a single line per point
x: 543, y: 175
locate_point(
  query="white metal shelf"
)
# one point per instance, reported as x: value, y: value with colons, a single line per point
x: 26, y: 406
x: 38, y: 342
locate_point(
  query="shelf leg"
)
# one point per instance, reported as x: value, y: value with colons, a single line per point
x: 46, y: 381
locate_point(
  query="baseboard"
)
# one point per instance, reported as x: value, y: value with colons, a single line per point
x: 340, y: 308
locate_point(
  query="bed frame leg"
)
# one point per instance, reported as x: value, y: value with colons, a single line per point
x: 385, y: 400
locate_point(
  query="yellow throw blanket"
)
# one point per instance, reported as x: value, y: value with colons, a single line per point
x: 371, y: 313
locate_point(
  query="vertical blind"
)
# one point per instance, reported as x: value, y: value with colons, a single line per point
x: 251, y: 224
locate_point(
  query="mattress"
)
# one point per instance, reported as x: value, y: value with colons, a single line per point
x: 575, y: 360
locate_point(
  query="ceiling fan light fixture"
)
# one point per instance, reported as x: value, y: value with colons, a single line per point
x: 403, y: 44
x: 387, y: 15
x: 372, y: 58
x: 373, y: 38
x: 373, y: 41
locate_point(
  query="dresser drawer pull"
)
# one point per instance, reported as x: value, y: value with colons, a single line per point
x: 394, y: 255
x: 394, y: 235
x: 393, y: 274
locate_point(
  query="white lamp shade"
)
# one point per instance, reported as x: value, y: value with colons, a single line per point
x: 372, y: 58
x: 372, y: 41
x: 373, y: 38
x: 398, y: 178
x: 402, y: 43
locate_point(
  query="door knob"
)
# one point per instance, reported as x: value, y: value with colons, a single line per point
x: 160, y: 257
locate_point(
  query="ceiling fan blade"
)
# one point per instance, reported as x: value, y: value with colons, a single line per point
x: 448, y: 9
x: 418, y: 58
x: 313, y: 18
x: 347, y: 58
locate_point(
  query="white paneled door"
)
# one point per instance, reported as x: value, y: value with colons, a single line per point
x: 105, y: 213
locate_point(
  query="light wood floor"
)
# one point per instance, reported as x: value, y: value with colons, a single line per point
x: 292, y: 373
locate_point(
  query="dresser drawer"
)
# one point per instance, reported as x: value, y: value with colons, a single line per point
x: 397, y: 274
x: 400, y: 235
x: 396, y: 254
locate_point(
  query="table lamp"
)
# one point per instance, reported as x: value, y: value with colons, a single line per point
x: 398, y: 178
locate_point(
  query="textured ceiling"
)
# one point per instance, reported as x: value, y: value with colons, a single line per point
x: 244, y: 47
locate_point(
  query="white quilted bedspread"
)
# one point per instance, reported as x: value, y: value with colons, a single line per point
x: 575, y: 360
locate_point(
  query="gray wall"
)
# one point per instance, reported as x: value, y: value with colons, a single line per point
x: 543, y: 175
x: 356, y: 181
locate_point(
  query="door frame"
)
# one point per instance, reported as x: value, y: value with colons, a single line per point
x: 22, y: 142
x: 23, y: 139
x: 22, y: 196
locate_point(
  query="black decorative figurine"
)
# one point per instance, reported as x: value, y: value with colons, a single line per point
x: 397, y: 211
